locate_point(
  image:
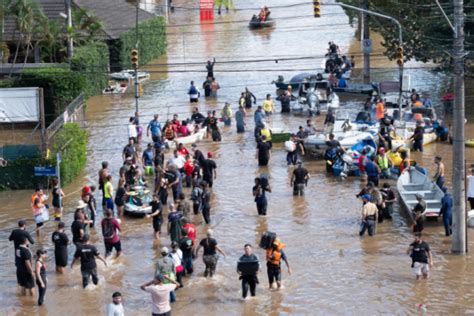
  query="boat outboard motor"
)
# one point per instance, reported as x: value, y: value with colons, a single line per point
x: 363, y: 117
x: 396, y: 115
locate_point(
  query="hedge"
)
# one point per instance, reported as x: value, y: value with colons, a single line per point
x: 60, y: 86
x: 151, y: 45
x: 92, y: 61
x: 19, y: 174
x: 71, y: 143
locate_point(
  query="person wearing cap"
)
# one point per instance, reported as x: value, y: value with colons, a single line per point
x: 115, y: 308
x: 447, y: 211
x: 299, y: 179
x: 88, y: 198
x: 40, y: 273
x: 209, y: 169
x: 418, y: 214
x: 417, y: 137
x: 438, y: 178
x: 160, y: 294
x: 165, y: 266
x: 60, y: 241
x: 155, y: 128
x: 87, y: 254
x: 263, y: 153
x: 421, y: 257
x: 369, y: 216
x: 239, y: 119
x: 17, y: 234
x: 24, y: 267
x: 384, y: 163
x: 210, y: 256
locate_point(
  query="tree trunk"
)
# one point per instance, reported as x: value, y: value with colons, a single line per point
x: 14, y: 58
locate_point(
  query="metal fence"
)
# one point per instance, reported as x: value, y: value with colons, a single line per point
x: 72, y: 113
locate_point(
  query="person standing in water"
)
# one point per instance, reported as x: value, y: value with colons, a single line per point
x: 57, y: 202
x: 259, y: 193
x: 263, y: 152
x: 24, y: 268
x: 87, y: 254
x: 299, y: 179
x: 210, y: 67
x: 438, y: 178
x: 60, y: 241
x: 421, y: 257
x: 275, y: 255
x: 248, y: 275
x: 239, y: 119
x: 210, y: 257
x: 40, y: 272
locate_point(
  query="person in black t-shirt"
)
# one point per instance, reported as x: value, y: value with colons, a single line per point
x: 421, y: 257
x: 78, y: 228
x: 186, y: 245
x: 87, y: 254
x: 299, y: 179
x: 17, y: 234
x: 60, y: 241
x: 210, y: 253
x: 157, y: 215
x: 263, y: 152
x: 24, y: 268
x: 209, y: 169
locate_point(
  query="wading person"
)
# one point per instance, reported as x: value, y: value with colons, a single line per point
x: 160, y: 294
x: 248, y: 267
x: 110, y: 230
x: 248, y: 97
x: 447, y: 211
x: 156, y: 215
x: 87, y: 253
x: 418, y: 214
x: 206, y: 202
x: 239, y: 119
x: 115, y: 308
x: 438, y: 178
x: 103, y: 173
x: 209, y: 173
x: 24, y: 268
x: 109, y: 193
x: 210, y: 256
x: 389, y: 198
x: 299, y: 179
x: 417, y: 137
x: 60, y: 241
x: 40, y: 272
x: 155, y: 128
x: 259, y: 190
x: 275, y: 255
x: 57, y: 202
x: 421, y: 257
x: 186, y: 244
x: 193, y: 93
x: 369, y: 216
x: 263, y: 151
x: 165, y: 266
x: 210, y: 66
x: 18, y: 234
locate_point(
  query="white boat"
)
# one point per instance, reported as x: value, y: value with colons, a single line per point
x: 317, y: 144
x: 316, y: 96
x: 186, y: 140
x: 129, y: 74
x: 116, y: 88
x: 470, y: 219
x: 412, y: 182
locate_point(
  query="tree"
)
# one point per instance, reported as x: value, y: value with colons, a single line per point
x: 426, y: 34
x: 86, y: 27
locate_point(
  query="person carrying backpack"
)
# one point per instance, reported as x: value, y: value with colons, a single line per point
x: 110, y: 229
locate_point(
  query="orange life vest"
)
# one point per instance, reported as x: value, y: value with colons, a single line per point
x: 274, y: 255
x: 169, y: 133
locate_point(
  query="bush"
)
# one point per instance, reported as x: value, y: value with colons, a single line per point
x: 19, y: 174
x: 152, y: 42
x: 60, y: 86
x: 71, y: 143
x: 92, y: 61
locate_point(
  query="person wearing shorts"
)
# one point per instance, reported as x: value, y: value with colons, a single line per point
x: 156, y: 215
x: 60, y: 241
x: 422, y: 259
x: 87, y: 254
x: 24, y: 268
x: 110, y: 229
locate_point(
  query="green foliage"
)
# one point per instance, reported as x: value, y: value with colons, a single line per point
x: 151, y: 42
x: 426, y: 34
x: 19, y: 174
x: 6, y: 83
x: 71, y: 142
x: 92, y: 61
x: 60, y: 86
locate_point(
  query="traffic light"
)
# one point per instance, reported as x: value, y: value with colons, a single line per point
x: 317, y: 8
x: 399, y: 56
x: 134, y: 58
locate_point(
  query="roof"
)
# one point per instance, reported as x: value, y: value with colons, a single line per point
x: 118, y: 16
x: 51, y: 8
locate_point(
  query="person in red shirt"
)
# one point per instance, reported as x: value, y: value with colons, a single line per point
x: 182, y: 150
x: 191, y: 229
x: 176, y: 123
x: 188, y: 169
x: 110, y: 229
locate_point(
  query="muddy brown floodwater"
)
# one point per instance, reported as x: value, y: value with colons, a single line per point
x: 334, y: 271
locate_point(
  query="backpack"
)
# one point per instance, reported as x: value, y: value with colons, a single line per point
x: 196, y: 194
x: 108, y: 229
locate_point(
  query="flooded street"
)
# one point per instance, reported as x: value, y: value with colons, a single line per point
x: 334, y: 271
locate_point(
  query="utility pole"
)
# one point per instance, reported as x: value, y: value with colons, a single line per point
x: 137, y: 85
x: 459, y: 244
x: 366, y: 41
x: 70, y: 46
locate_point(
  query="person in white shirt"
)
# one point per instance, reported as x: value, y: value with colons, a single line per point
x: 115, y: 308
x: 470, y: 189
x: 160, y: 294
x: 177, y: 160
x: 132, y: 129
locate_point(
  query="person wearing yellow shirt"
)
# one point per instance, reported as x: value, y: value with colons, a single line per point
x: 268, y: 105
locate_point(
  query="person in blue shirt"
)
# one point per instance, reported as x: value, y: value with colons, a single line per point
x: 260, y: 197
x: 447, y: 211
x: 147, y: 159
x: 259, y: 115
x: 155, y: 128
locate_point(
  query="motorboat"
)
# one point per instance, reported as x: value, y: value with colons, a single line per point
x: 129, y: 74
x: 412, y: 182
x: 186, y: 140
x: 138, y: 202
x: 256, y: 23
x: 318, y: 143
x: 316, y: 95
x: 280, y: 134
x: 347, y: 164
x: 117, y: 88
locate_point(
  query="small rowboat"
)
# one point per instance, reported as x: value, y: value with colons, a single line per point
x: 412, y: 182
x: 186, y: 140
x: 280, y: 135
x: 470, y: 143
x: 115, y: 89
x: 255, y: 23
